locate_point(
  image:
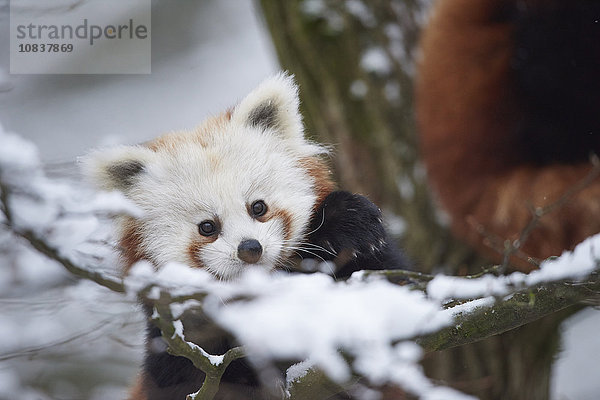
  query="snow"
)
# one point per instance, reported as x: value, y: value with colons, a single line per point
x: 298, y: 371
x: 395, y: 224
x: 375, y: 60
x: 20, y: 271
x: 113, y: 203
x: 177, y: 278
x: 177, y: 309
x: 138, y: 277
x: 393, y: 92
x: 9, y: 383
x: 448, y: 287
x: 407, y: 373
x: 319, y: 9
x: 340, y: 316
x: 396, y: 43
x: 312, y: 317
x: 196, y: 72
x: 445, y: 393
x: 358, y: 9
x: 33, y: 214
x: 178, y: 325
x: 313, y: 8
x: 406, y: 187
x: 363, y: 319
x: 576, y: 264
x: 575, y: 374
x: 214, y: 360
x: 16, y: 152
x: 571, y: 265
x: 470, y: 306
x: 358, y: 89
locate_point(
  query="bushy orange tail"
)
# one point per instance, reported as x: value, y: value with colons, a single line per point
x: 508, y: 109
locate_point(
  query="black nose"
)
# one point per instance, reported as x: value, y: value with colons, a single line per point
x: 250, y: 251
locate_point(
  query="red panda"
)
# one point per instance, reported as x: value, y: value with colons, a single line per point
x: 508, y: 112
x: 209, y: 195
x: 245, y: 188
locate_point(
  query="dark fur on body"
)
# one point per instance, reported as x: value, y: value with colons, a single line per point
x: 348, y: 226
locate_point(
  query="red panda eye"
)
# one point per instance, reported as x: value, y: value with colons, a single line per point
x: 258, y: 208
x: 207, y: 228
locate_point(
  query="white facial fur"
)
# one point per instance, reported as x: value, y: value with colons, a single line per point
x: 215, y: 173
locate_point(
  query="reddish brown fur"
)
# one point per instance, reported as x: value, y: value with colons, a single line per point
x: 199, y: 136
x: 286, y: 220
x: 138, y: 392
x: 320, y: 173
x: 130, y: 244
x: 195, y: 247
x: 467, y: 109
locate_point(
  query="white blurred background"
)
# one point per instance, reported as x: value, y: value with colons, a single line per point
x: 62, y: 339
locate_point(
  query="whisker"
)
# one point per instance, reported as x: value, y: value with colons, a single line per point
x: 310, y: 252
x: 320, y: 225
x: 313, y: 246
x: 331, y: 270
x: 285, y: 264
x: 226, y: 241
x: 271, y: 227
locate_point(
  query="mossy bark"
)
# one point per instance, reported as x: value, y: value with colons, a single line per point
x: 355, y: 69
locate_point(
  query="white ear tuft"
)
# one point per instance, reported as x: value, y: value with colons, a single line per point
x: 116, y: 168
x: 273, y: 105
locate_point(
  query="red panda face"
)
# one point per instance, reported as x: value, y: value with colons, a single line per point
x: 238, y: 191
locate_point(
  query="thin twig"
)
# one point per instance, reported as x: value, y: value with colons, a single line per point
x: 4, y: 200
x: 510, y: 249
x: 33, y: 351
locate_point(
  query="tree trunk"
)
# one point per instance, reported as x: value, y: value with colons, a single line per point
x: 514, y: 365
x: 354, y: 64
x: 355, y: 77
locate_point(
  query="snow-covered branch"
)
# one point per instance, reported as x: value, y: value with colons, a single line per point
x: 369, y: 327
x: 492, y: 316
x: 172, y: 333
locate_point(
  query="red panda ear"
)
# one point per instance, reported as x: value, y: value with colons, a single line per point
x: 116, y: 168
x: 272, y: 106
